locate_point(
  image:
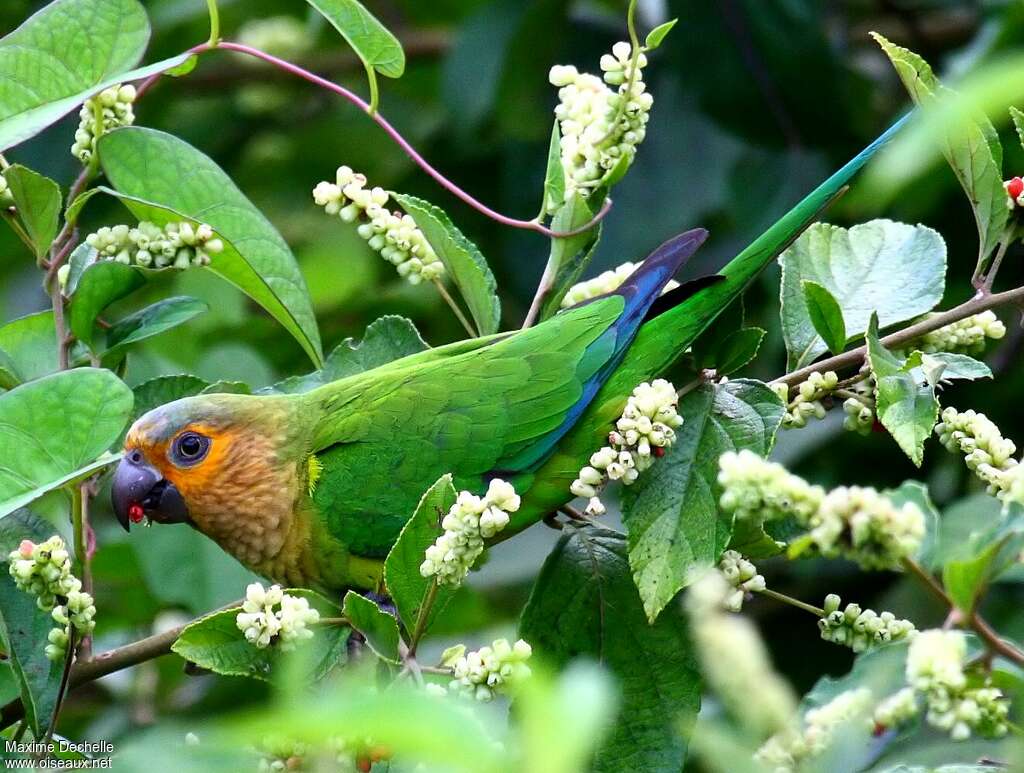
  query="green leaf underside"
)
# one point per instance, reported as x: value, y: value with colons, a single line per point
x: 386, y: 339
x: 55, y: 429
x: 66, y: 53
x: 895, y: 269
x: 971, y: 147
x: 372, y: 41
x: 675, y: 528
x: 153, y: 320
x: 948, y: 366
x: 584, y: 603
x: 463, y: 261
x: 908, y: 410
x: 164, y: 179
x: 216, y: 643
x: 658, y: 34
x: 379, y: 628
x: 37, y: 199
x: 406, y: 586
x: 826, y: 315
x: 569, y: 257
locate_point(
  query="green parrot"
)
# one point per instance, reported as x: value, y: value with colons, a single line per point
x: 312, y: 489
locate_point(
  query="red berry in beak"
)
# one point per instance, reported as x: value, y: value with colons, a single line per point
x: 1015, y: 187
x: 136, y: 513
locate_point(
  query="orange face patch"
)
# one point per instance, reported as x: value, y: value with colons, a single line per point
x: 197, y: 478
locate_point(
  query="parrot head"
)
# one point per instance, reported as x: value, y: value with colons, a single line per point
x: 224, y: 464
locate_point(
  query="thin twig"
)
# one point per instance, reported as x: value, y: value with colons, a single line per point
x: 817, y: 611
x: 473, y: 332
x: 422, y: 617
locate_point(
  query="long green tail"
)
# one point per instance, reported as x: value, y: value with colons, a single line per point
x: 663, y: 339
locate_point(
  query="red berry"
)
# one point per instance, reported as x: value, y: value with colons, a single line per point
x: 659, y: 451
x: 363, y: 763
x: 1015, y: 187
x: 136, y: 513
x: 26, y: 547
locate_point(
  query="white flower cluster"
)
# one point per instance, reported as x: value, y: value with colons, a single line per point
x: 485, y: 672
x: 177, y: 245
x: 807, y: 403
x: 898, y: 709
x: 643, y: 432
x: 967, y: 335
x: 270, y: 615
x: 733, y: 658
x: 599, y: 127
x: 860, y: 629
x: 864, y: 526
x: 987, y: 453
x: 786, y: 751
x: 935, y: 669
x: 753, y: 487
x: 44, y: 571
x: 742, y: 575
x: 604, y: 283
x: 392, y: 234
x: 469, y: 522
x: 860, y: 410
x: 113, y: 108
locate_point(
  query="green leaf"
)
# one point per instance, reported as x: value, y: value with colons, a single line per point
x: 657, y: 35
x: 826, y: 315
x: 386, y: 339
x: 56, y: 429
x: 152, y: 320
x: 227, y: 388
x: 554, y: 174
x: 165, y: 389
x: 406, y: 586
x: 972, y: 147
x: 738, y: 349
x: 37, y: 199
x: 379, y: 628
x: 465, y: 264
x: 373, y: 43
x: 101, y: 284
x: 584, y: 604
x: 569, y: 256
x: 908, y: 410
x: 895, y: 269
x: 676, y: 530
x: 1018, y: 123
x: 64, y: 54
x: 9, y: 377
x: 30, y: 344
x: 24, y: 628
x: 163, y: 179
x: 947, y: 366
x: 216, y: 644
x: 986, y: 555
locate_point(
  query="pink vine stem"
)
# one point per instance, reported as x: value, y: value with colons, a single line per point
x: 395, y: 135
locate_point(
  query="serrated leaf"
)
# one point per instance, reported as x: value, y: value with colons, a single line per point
x: 554, y: 175
x: 9, y: 377
x: 908, y: 410
x: 37, y: 199
x: 947, y: 366
x: 215, y: 642
x: 406, y: 586
x: 676, y: 530
x: 894, y: 269
x: 43, y: 82
x: 153, y: 320
x: 30, y: 344
x: 1018, y: 123
x: 163, y: 179
x: 826, y: 315
x: 569, y: 256
x: 739, y: 349
x: 56, y: 429
x: 463, y: 261
x: 227, y: 388
x: 386, y: 339
x: 373, y: 43
x: 969, y: 569
x: 165, y: 389
x: 379, y: 628
x: 972, y: 147
x: 657, y: 35
x: 584, y: 603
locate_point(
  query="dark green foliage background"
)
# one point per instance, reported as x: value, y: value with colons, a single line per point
x: 755, y: 102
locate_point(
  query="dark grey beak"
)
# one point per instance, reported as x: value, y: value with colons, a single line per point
x: 139, y: 490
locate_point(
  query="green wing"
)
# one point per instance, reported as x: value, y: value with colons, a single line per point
x: 387, y: 435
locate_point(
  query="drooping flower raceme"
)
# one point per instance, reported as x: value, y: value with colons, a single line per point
x: 468, y: 522
x: 175, y: 245
x: 987, y: 453
x: 599, y: 126
x: 642, y: 433
x: 807, y: 403
x: 391, y: 233
x: 860, y: 410
x: 605, y: 283
x: 110, y: 109
x: 44, y: 571
x: 860, y: 629
x: 966, y: 336
x: 488, y: 671
x: 269, y: 615
x: 755, y: 488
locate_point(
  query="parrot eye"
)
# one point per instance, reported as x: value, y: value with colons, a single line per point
x: 190, y: 448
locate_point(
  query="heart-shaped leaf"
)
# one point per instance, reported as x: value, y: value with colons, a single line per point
x: 465, y: 264
x: 64, y: 54
x: 37, y: 199
x: 163, y: 178
x: 826, y: 315
x: 373, y: 43
x: 56, y: 429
